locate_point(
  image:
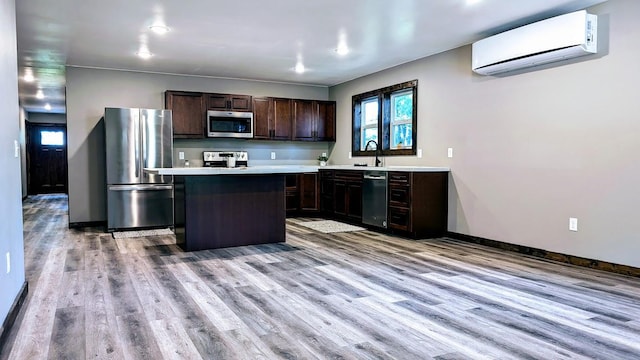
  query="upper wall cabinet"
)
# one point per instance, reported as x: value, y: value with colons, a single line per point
x: 272, y: 118
x: 314, y: 120
x: 188, y: 113
x: 228, y: 102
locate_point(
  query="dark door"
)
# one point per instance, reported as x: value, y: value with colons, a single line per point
x: 47, y: 158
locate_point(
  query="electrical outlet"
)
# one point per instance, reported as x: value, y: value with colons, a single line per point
x: 8, y: 262
x: 273, y: 155
x: 450, y: 152
x: 419, y: 153
x: 324, y: 154
x: 573, y: 224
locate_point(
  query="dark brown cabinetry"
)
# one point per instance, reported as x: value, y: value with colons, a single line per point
x: 272, y: 118
x: 291, y: 193
x: 326, y: 121
x: 326, y: 192
x: 418, y: 203
x: 188, y: 113
x: 347, y: 193
x: 302, y: 193
x: 314, y: 120
x: 309, y: 192
x: 228, y: 102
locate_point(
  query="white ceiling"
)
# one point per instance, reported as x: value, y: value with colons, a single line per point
x: 252, y: 39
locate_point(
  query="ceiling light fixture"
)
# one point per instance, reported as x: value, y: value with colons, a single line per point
x: 144, y: 53
x: 342, y: 49
x: 47, y: 107
x: 159, y: 29
x: 39, y: 94
x: 299, y: 68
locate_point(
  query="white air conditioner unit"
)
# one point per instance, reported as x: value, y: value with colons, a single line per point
x: 558, y: 38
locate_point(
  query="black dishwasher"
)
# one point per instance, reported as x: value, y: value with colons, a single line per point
x: 374, y: 198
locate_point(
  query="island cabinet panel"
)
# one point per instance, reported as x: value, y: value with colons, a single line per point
x: 272, y: 118
x: 229, y: 102
x: 347, y: 191
x: 418, y: 203
x: 188, y: 113
x: 229, y: 210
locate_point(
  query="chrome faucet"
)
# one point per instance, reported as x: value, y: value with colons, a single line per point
x: 378, y: 161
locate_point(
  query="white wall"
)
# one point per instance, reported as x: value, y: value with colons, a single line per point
x: 532, y: 149
x: 11, y: 240
x: 89, y: 91
x: 23, y: 151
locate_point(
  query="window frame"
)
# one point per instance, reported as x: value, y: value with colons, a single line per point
x: 384, y: 96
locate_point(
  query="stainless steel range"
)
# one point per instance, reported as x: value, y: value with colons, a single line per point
x: 225, y: 158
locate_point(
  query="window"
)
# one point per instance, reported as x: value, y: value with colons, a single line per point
x: 401, y: 120
x: 369, y: 121
x: 388, y: 117
x: 52, y: 137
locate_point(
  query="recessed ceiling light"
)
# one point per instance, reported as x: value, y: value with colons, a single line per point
x: 299, y: 68
x: 159, y: 29
x: 47, y: 107
x: 39, y: 94
x: 342, y: 49
x: 144, y: 53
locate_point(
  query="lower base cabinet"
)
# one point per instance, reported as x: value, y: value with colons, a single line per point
x: 302, y: 194
x: 417, y: 205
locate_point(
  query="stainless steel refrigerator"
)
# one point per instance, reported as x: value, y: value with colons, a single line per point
x: 136, y: 139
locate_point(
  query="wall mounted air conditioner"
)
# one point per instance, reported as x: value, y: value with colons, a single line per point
x: 558, y: 38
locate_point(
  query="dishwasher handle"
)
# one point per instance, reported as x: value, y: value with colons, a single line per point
x: 375, y: 177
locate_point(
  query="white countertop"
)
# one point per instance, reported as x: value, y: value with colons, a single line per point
x: 283, y: 169
x: 388, y: 168
x: 251, y: 170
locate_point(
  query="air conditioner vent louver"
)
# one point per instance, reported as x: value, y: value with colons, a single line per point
x: 559, y: 38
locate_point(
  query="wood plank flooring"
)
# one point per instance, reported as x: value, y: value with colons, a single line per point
x: 359, y: 295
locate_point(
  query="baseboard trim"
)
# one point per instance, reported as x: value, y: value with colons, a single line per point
x: 85, y: 224
x: 550, y: 255
x: 13, y: 314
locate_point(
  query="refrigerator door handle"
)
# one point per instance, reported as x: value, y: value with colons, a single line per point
x: 143, y: 136
x: 136, y: 131
x: 139, y: 187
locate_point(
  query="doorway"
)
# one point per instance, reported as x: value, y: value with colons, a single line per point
x: 46, y: 158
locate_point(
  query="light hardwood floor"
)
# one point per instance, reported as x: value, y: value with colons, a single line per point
x: 359, y: 295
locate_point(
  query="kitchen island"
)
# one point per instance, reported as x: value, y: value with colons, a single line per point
x: 224, y: 207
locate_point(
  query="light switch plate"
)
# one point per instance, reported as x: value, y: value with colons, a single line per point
x: 450, y: 152
x: 8, y: 262
x: 273, y: 155
x: 16, y: 148
x: 181, y: 155
x: 419, y: 153
x: 573, y: 224
x: 349, y: 154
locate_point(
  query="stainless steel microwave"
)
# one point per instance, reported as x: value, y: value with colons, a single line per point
x: 233, y: 124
